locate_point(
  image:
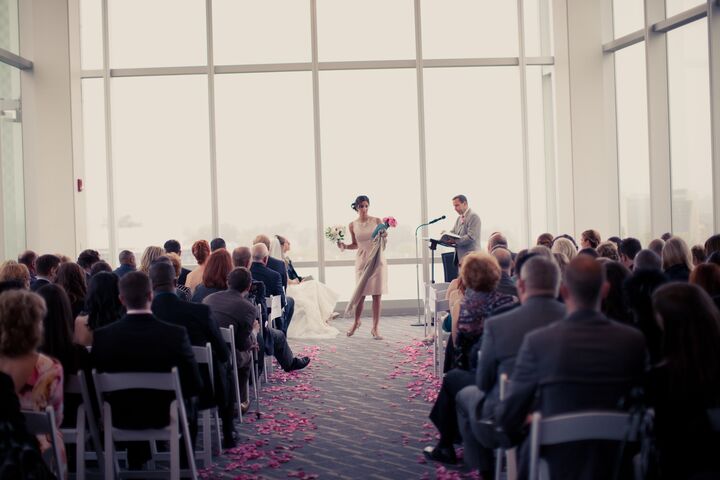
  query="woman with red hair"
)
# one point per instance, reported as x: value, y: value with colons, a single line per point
x: 214, y: 278
x: 201, y: 252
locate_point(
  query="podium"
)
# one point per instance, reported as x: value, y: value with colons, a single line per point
x: 433, y: 244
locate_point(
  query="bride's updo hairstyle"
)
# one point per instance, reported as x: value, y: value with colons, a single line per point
x: 358, y: 201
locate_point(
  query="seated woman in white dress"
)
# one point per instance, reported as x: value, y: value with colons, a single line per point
x: 314, y: 301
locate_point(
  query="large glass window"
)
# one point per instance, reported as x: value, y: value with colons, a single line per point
x: 474, y: 146
x: 161, y: 33
x: 9, y: 26
x: 536, y: 19
x: 270, y: 31
x: 91, y: 39
x: 11, y: 164
x: 469, y: 29
x: 266, y: 160
x: 673, y: 7
x: 628, y: 16
x: 161, y: 158
x: 690, y: 149
x: 632, y: 143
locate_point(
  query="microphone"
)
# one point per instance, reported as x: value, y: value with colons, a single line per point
x: 436, y: 220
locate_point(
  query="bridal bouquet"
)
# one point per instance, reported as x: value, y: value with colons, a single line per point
x: 388, y: 222
x: 335, y: 233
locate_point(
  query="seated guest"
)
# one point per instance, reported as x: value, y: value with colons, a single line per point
x: 150, y: 254
x: 616, y: 240
x: 11, y: 285
x: 589, y: 251
x: 201, y: 252
x: 562, y: 262
x: 608, y: 250
x: 628, y: 249
x: 38, y: 378
x: 102, y: 307
x: 504, y: 259
x: 71, y: 277
x: 46, y: 267
x: 201, y: 329
x: 217, y: 244
x: 590, y: 239
x: 698, y: 255
x: 127, y: 263
x: 666, y: 236
x: 496, y: 240
x: 656, y: 246
x: 676, y: 259
x: 712, y: 245
x: 714, y: 258
x: 545, y: 239
x: 87, y: 259
x: 12, y: 271
x: 686, y: 382
x: 480, y: 274
x: 100, y: 266
x: 219, y: 265
x: 271, y: 279
x: 538, y: 288
x: 565, y: 245
x: 647, y: 260
x: 173, y: 246
x: 614, y: 305
x: 278, y: 265
x: 29, y: 259
x: 707, y: 277
x: 182, y: 291
x: 139, y: 342
x: 583, y: 362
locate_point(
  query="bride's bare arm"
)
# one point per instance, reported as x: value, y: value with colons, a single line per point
x: 349, y: 246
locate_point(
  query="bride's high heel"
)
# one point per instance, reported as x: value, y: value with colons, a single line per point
x: 354, y: 328
x: 375, y: 334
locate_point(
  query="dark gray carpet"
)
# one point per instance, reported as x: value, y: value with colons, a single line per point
x: 359, y: 410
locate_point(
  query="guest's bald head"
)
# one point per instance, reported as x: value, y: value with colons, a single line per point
x: 504, y: 258
x: 260, y: 252
x: 241, y: 257
x: 585, y: 281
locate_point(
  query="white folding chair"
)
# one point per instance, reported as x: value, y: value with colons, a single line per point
x: 229, y: 337
x: 43, y: 423
x: 501, y: 453
x: 203, y: 356
x: 436, y: 305
x: 574, y: 427
x: 275, y: 311
x: 85, y: 423
x: 112, y: 382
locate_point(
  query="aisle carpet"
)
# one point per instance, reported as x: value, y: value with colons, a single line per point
x: 359, y: 410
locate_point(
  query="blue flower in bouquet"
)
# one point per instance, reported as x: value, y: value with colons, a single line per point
x: 388, y: 222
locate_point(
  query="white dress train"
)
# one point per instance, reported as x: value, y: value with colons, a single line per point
x: 314, y: 304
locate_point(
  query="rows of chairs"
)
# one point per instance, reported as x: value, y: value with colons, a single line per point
x: 109, y: 461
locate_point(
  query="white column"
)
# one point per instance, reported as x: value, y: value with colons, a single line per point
x: 714, y: 33
x: 47, y: 127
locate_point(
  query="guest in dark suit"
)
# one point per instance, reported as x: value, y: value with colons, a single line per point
x: 217, y: 268
x: 86, y: 260
x: 46, y: 267
x: 173, y: 246
x: 538, y: 286
x: 127, y: 263
x: 217, y: 244
x: 278, y: 265
x: 201, y: 329
x: 29, y: 259
x: 583, y: 362
x: 271, y: 279
x: 139, y: 342
x: 504, y: 258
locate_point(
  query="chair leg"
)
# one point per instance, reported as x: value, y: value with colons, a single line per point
x: 205, y: 455
x: 80, y: 444
x: 499, y: 454
x: 216, y: 412
x: 175, y: 449
x: 109, y: 447
x: 511, y: 464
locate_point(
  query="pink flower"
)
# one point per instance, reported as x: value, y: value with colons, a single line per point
x: 390, y: 222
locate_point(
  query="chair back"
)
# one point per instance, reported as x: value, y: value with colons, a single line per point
x: 77, y: 384
x: 229, y: 337
x: 203, y: 356
x: 574, y: 427
x: 43, y: 423
x: 274, y: 303
x: 714, y: 418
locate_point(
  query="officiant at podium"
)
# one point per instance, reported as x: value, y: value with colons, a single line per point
x: 467, y: 227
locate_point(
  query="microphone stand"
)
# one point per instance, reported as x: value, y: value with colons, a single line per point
x: 417, y: 279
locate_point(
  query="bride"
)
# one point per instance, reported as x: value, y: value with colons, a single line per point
x: 314, y: 301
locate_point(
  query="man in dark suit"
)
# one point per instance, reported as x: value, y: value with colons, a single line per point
x: 127, y: 263
x: 201, y: 329
x: 29, y: 259
x: 46, y: 267
x: 173, y: 246
x: 271, y: 279
x: 583, y: 362
x: 278, y: 265
x: 504, y: 258
x: 538, y: 285
x: 139, y: 342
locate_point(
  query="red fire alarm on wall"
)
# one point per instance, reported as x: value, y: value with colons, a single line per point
x: 79, y: 185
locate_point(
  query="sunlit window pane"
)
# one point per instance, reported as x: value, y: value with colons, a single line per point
x: 159, y: 33
x: 673, y: 7
x: 365, y: 30
x: 469, y: 29
x: 270, y: 31
x: 161, y: 157
x: 12, y: 190
x: 266, y: 161
x: 690, y: 150
x: 628, y: 16
x: 370, y: 147
x: 538, y: 30
x: 632, y: 147
x: 91, y: 39
x: 474, y: 146
x: 9, y: 39
x: 95, y: 178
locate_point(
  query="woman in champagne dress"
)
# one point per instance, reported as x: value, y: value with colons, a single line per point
x: 370, y: 269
